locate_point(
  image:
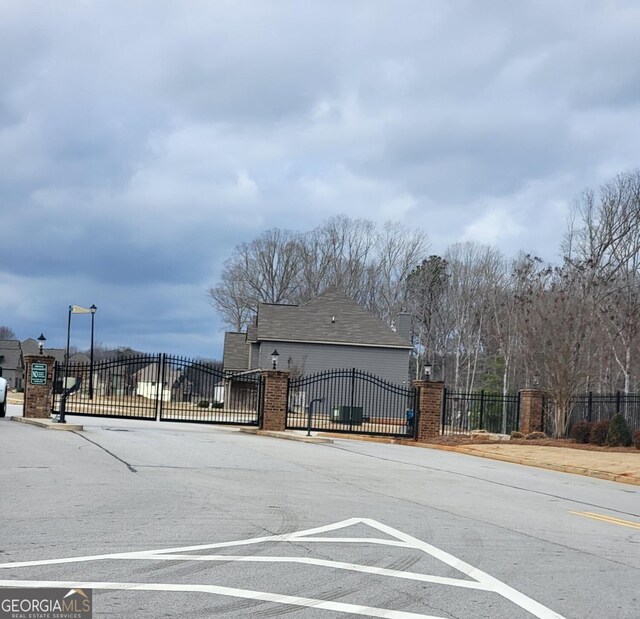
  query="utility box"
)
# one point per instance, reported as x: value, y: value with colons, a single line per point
x: 350, y: 414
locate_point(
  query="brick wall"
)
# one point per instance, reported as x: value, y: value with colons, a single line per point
x: 274, y: 411
x: 430, y: 394
x: 37, y: 398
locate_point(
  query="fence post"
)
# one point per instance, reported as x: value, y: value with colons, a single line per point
x: 351, y: 400
x: 530, y: 410
x: 38, y: 386
x: 481, y: 427
x: 274, y: 400
x: 590, y: 407
x: 430, y: 402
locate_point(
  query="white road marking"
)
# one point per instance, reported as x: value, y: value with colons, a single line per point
x: 341, y: 607
x: 480, y: 580
x: 525, y: 602
x: 338, y: 565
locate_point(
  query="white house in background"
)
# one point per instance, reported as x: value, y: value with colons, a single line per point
x: 152, y: 383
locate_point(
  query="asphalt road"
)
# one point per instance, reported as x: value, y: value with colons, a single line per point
x: 178, y: 520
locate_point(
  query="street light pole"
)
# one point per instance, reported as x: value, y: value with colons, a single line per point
x: 93, y: 309
x: 66, y: 353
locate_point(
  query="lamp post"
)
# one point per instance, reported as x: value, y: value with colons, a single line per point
x: 427, y: 370
x: 93, y: 309
x: 41, y: 340
x: 274, y: 358
x: 66, y: 352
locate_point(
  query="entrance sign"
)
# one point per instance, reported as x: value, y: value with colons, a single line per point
x: 38, y: 374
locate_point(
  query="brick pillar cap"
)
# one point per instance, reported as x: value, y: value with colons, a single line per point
x: 427, y: 383
x: 275, y: 373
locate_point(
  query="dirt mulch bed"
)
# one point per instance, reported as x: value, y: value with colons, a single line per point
x: 465, y: 439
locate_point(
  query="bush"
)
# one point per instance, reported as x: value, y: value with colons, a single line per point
x: 636, y: 439
x: 203, y: 404
x: 582, y: 431
x: 599, y: 431
x: 217, y: 404
x: 535, y: 435
x: 516, y: 434
x: 618, y: 434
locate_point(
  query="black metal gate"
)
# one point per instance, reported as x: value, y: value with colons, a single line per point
x: 351, y: 400
x: 163, y: 387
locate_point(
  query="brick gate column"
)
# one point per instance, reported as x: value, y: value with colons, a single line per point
x: 274, y: 407
x: 38, y: 383
x: 430, y: 395
x: 531, y: 410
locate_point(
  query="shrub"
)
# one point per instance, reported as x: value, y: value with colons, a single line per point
x: 217, y: 404
x: 599, y: 431
x: 535, y: 435
x: 203, y: 404
x: 581, y: 431
x: 636, y: 439
x: 618, y: 434
x: 516, y: 434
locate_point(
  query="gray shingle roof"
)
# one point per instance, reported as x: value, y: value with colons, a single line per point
x: 331, y: 317
x: 236, y: 351
x: 10, y: 355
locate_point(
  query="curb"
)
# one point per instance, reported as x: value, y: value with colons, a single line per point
x: 562, y: 468
x: 49, y: 424
x: 470, y: 451
x: 287, y: 437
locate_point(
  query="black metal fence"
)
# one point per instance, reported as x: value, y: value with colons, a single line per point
x: 163, y: 387
x: 597, y: 407
x: 463, y: 413
x: 351, y: 400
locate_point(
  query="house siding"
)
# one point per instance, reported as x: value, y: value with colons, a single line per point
x: 387, y: 363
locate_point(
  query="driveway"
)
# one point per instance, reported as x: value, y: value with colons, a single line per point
x: 175, y: 520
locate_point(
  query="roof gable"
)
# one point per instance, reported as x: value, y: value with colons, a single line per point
x: 332, y: 317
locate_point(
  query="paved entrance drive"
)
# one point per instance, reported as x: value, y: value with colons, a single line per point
x: 196, y: 521
x: 471, y: 581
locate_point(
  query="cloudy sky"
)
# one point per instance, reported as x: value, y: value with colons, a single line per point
x: 140, y: 141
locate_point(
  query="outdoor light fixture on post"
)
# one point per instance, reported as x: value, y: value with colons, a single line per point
x: 41, y: 340
x: 427, y: 371
x: 93, y: 310
x: 274, y: 359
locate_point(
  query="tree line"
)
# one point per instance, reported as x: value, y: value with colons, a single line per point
x: 482, y: 319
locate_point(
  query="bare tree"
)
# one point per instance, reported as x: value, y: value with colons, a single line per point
x: 556, y: 327
x: 399, y: 251
x: 266, y: 270
x: 604, y: 241
x: 7, y: 333
x: 284, y: 267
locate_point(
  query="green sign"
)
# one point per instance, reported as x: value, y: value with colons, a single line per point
x: 39, y: 374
